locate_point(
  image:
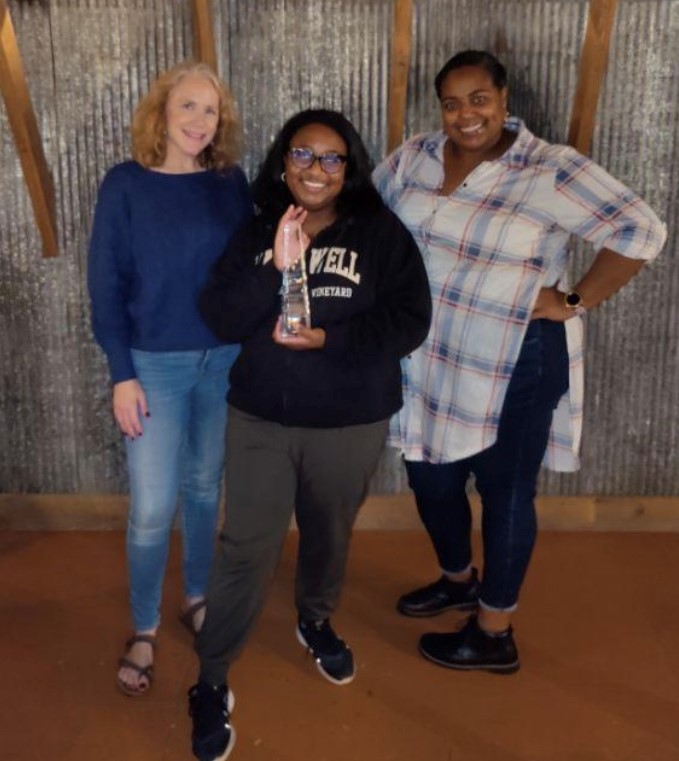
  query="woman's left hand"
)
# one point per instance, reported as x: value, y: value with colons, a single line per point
x: 550, y: 305
x: 304, y: 340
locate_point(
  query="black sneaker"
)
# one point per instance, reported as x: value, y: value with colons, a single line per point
x: 210, y: 707
x: 333, y: 658
x: 440, y: 596
x: 472, y: 648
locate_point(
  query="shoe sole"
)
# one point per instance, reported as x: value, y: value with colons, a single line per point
x: 321, y: 670
x: 431, y: 613
x: 230, y: 704
x: 229, y: 747
x: 227, y: 751
x: 505, y: 668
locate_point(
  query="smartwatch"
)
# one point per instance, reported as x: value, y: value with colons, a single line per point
x: 573, y: 302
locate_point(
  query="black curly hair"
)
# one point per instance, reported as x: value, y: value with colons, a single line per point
x: 358, y: 194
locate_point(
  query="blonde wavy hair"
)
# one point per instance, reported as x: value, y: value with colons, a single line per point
x: 149, y: 139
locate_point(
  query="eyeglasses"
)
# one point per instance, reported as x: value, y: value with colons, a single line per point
x: 303, y: 158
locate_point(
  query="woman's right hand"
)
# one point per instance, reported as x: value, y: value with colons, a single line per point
x: 295, y: 215
x: 129, y: 403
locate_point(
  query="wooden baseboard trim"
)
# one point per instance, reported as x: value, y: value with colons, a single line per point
x: 101, y: 512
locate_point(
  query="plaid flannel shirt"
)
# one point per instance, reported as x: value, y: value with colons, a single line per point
x: 488, y: 248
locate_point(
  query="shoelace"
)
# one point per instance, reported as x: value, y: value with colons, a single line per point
x: 326, y: 639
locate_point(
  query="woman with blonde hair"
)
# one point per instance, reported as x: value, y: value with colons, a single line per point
x: 161, y: 221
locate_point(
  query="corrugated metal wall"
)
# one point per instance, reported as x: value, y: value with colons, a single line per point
x: 88, y: 61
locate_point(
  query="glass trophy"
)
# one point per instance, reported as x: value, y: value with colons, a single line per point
x: 295, y: 312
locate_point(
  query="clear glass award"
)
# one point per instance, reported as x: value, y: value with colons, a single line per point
x: 295, y: 310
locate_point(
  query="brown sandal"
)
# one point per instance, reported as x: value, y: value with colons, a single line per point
x: 186, y: 618
x: 145, y: 672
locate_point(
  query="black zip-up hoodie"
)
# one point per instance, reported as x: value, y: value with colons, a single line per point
x: 368, y: 290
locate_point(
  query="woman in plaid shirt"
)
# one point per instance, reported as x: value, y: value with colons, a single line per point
x: 497, y: 386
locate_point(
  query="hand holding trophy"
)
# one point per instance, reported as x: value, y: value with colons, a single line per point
x: 289, y: 248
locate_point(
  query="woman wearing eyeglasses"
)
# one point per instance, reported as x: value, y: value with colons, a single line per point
x: 308, y: 413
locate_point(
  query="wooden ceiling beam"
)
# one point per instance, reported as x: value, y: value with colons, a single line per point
x: 401, y: 43
x: 593, y: 62
x: 204, y: 33
x: 26, y: 136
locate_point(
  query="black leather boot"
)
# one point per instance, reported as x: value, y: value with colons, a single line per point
x: 440, y: 596
x: 472, y: 648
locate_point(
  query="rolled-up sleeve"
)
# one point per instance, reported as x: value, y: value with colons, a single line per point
x: 591, y: 204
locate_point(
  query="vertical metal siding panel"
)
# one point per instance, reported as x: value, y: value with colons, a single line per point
x: 89, y: 61
x: 30, y: 299
x: 540, y: 43
x: 631, y: 446
x: 287, y: 55
x: 537, y: 40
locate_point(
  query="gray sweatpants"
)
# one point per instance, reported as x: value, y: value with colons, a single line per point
x: 323, y: 475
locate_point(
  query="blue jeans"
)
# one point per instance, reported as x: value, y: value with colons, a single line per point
x: 506, y: 475
x: 180, y: 454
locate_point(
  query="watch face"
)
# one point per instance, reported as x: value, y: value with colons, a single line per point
x: 573, y: 299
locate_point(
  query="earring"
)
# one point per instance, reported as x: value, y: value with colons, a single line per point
x: 283, y: 177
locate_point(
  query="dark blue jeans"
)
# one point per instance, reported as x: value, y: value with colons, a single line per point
x: 506, y: 474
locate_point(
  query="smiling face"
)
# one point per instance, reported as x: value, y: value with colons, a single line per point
x: 192, y: 117
x: 473, y: 110
x: 313, y: 188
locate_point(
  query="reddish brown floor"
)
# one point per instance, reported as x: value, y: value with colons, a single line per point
x: 598, y: 633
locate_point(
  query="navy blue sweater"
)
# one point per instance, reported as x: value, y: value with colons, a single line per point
x: 154, y: 240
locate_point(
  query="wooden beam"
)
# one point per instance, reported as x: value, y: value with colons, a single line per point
x: 401, y: 40
x: 390, y: 512
x: 204, y: 33
x: 26, y: 136
x: 593, y: 61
